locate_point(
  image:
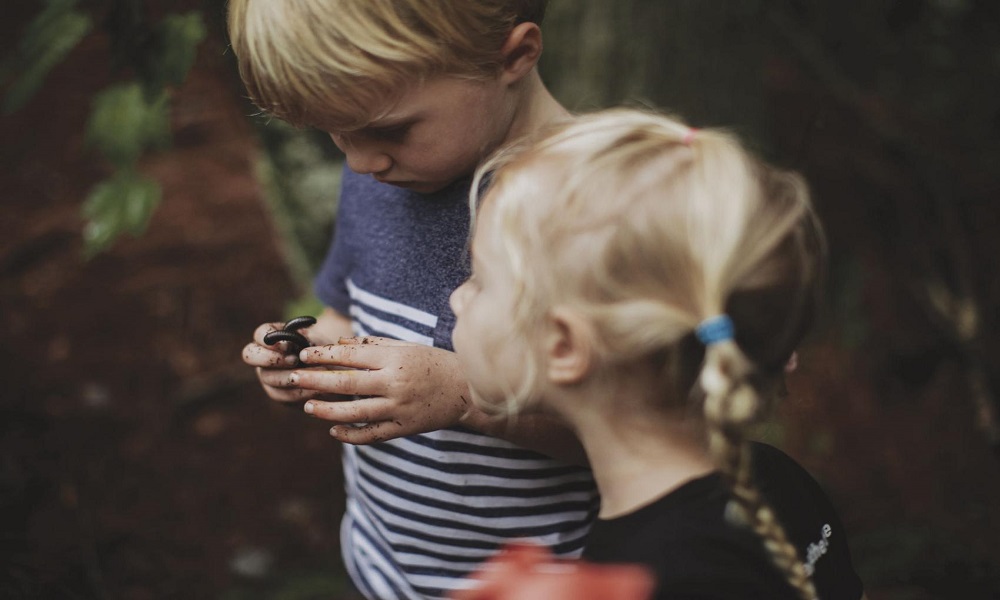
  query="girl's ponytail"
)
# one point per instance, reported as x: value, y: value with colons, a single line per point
x: 731, y: 405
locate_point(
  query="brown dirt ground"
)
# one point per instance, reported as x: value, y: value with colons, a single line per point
x: 139, y: 455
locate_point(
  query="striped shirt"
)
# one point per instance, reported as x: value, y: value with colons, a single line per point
x: 424, y: 511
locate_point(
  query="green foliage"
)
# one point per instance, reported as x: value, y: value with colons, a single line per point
x: 848, y: 318
x: 301, y: 172
x: 123, y: 123
x: 307, y: 304
x: 47, y: 40
x: 922, y: 561
x: 128, y: 119
x: 322, y: 582
x: 177, y: 38
x: 123, y: 203
x: 311, y: 587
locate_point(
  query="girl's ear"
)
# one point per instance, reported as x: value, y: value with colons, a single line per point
x: 568, y: 347
x: 521, y: 52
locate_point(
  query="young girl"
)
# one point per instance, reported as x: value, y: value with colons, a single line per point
x: 648, y: 283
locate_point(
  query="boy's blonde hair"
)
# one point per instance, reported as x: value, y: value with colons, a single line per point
x: 337, y: 63
x: 647, y: 228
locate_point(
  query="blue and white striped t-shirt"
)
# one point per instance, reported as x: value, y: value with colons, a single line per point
x: 425, y: 511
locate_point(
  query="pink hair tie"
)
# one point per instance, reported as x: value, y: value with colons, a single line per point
x: 689, y: 136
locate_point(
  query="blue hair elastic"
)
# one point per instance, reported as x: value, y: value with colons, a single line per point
x: 715, y: 329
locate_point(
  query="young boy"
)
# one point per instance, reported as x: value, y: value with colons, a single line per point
x: 416, y: 93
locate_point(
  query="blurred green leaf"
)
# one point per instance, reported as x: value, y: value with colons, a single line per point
x: 307, y: 304
x: 47, y: 40
x: 311, y: 587
x: 122, y: 204
x: 179, y: 36
x: 313, y: 584
x: 123, y: 123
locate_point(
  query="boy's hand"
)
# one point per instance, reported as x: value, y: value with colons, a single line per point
x: 273, y: 366
x: 273, y: 362
x: 405, y: 388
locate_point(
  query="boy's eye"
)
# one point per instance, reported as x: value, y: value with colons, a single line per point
x: 394, y: 133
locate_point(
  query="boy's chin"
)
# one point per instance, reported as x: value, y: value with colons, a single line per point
x: 420, y: 187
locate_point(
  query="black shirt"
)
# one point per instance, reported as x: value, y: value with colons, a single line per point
x: 695, y: 553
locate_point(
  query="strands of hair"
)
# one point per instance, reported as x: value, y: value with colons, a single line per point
x: 338, y: 76
x: 731, y: 404
x: 679, y: 227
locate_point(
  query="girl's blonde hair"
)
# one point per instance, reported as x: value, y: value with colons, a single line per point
x: 648, y: 228
x: 336, y: 63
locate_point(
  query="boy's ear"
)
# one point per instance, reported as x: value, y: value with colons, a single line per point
x: 568, y: 346
x: 521, y: 51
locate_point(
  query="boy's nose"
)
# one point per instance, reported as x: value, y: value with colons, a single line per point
x: 362, y: 156
x: 368, y: 162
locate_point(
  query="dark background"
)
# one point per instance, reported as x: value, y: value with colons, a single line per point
x: 141, y: 460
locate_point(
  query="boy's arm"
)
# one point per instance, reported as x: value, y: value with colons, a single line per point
x: 330, y: 326
x: 543, y: 433
x: 408, y: 388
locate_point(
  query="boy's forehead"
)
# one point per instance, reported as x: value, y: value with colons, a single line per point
x: 426, y: 95
x: 418, y: 97
x: 395, y: 117
x: 406, y: 106
x: 336, y: 122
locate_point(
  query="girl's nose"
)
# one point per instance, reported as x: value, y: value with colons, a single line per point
x: 457, y: 299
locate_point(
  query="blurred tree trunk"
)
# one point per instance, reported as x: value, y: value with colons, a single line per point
x: 702, y: 59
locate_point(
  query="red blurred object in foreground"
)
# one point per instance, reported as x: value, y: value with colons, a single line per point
x: 529, y: 572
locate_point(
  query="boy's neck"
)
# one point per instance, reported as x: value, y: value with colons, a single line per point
x: 537, y: 108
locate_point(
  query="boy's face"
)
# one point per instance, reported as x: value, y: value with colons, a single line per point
x: 491, y: 356
x: 436, y: 133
